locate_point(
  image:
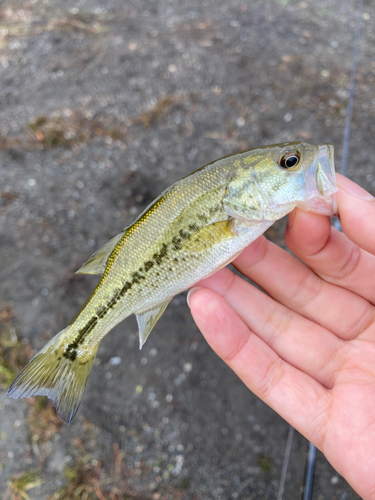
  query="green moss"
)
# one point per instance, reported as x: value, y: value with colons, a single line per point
x: 22, y: 482
x: 184, y: 484
x: 73, y: 127
x: 13, y: 354
x: 52, y: 132
x: 265, y: 463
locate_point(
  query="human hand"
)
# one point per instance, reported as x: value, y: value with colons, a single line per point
x: 308, y: 347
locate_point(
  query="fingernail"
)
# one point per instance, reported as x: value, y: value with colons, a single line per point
x: 334, y: 206
x: 352, y: 188
x: 291, y: 218
x: 190, y: 293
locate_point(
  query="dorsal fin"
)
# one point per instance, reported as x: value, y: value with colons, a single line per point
x: 148, y: 319
x: 97, y: 262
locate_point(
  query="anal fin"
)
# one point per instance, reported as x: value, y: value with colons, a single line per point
x: 147, y: 320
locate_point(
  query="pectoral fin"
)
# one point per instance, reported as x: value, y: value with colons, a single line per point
x: 208, y: 236
x: 147, y: 320
x: 97, y: 262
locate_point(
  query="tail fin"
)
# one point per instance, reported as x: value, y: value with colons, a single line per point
x: 60, y: 378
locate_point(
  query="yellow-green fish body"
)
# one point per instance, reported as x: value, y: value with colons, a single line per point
x: 194, y: 228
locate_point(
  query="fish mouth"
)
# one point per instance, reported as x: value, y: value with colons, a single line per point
x: 325, y: 172
x: 321, y: 183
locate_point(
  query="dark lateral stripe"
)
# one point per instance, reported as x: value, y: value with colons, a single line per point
x: 158, y: 257
x: 71, y: 349
x: 137, y: 277
x: 148, y: 265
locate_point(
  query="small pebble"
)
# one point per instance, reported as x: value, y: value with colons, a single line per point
x: 188, y: 367
x: 116, y: 360
x: 288, y: 117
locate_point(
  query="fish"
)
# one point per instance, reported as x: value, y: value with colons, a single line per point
x: 193, y: 228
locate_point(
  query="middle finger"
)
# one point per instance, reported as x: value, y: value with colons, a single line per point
x: 295, y: 285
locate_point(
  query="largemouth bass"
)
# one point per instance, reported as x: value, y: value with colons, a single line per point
x: 195, y: 227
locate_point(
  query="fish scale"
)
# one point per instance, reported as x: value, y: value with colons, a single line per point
x: 195, y: 227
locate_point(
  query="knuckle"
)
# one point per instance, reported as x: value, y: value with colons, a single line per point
x: 236, y: 349
x: 277, y: 323
x: 272, y: 378
x: 347, y: 266
x: 308, y: 288
x: 319, y: 424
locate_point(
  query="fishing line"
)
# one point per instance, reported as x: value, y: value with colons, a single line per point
x: 349, y: 108
x: 286, y: 462
x: 311, y: 456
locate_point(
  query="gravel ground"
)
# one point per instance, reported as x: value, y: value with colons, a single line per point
x: 103, y: 105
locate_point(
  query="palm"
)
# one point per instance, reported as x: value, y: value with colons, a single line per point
x: 308, y: 347
x: 349, y: 440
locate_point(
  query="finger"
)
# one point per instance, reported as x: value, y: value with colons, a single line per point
x: 330, y: 253
x: 307, y: 346
x: 297, y: 397
x: 295, y: 285
x: 356, y: 208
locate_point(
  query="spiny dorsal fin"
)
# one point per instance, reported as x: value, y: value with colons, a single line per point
x: 60, y: 378
x: 147, y: 320
x: 98, y: 260
x: 96, y: 264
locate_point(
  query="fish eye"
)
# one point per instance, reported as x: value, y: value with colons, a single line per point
x: 290, y: 160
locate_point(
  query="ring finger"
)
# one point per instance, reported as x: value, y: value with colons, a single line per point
x: 302, y: 343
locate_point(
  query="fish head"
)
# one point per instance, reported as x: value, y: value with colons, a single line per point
x: 270, y: 182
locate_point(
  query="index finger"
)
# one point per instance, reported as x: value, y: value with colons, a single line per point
x: 356, y: 208
x: 346, y: 259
